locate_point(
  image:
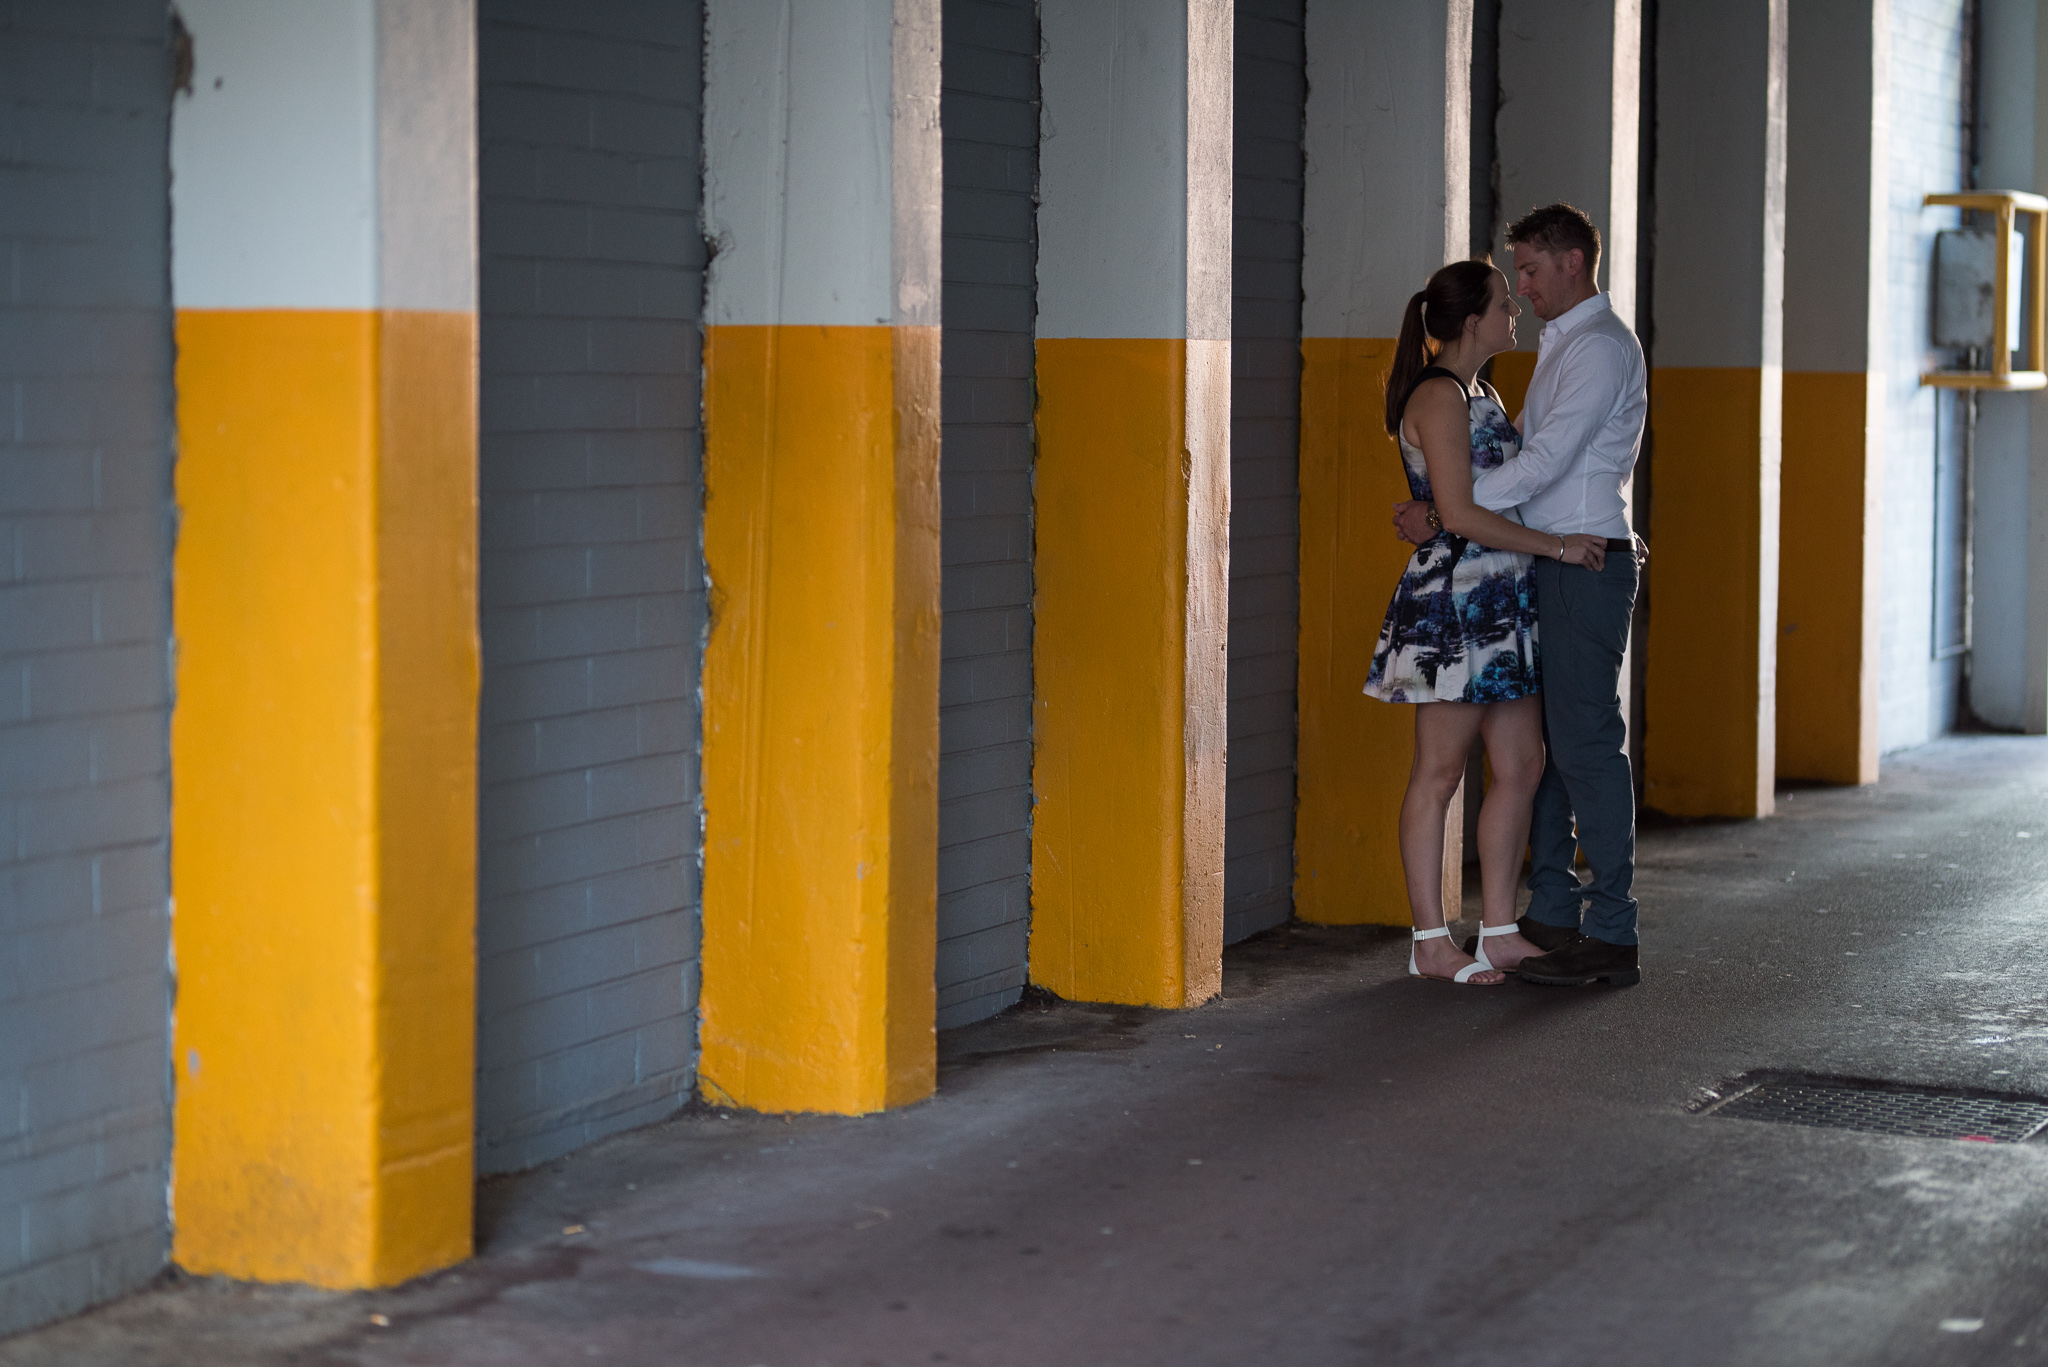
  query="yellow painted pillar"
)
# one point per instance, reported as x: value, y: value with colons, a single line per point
x: 1388, y: 101
x: 324, y: 739
x: 821, y: 536
x: 1836, y: 207
x: 1132, y: 501
x: 1715, y: 403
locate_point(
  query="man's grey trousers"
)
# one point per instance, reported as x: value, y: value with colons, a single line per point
x: 1582, y: 627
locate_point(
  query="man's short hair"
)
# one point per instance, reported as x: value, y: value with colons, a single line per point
x: 1559, y: 228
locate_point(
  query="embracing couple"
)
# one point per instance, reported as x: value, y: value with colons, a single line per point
x: 1510, y: 621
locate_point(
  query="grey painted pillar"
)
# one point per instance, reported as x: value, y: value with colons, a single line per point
x: 989, y: 118
x: 1265, y: 437
x: 592, y: 583
x: 2009, y: 651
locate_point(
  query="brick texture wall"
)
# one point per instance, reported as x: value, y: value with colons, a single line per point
x: 85, y: 471
x: 593, y: 606
x: 1265, y: 432
x: 990, y: 114
x: 1917, y: 693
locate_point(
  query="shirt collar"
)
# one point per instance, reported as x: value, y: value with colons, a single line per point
x: 1575, y: 317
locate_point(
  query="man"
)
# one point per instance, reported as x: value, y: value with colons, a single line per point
x: 1582, y: 428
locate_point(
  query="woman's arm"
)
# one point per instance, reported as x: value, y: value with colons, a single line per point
x: 1440, y: 417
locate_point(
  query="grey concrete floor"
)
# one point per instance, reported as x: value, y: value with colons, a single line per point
x: 1334, y: 1164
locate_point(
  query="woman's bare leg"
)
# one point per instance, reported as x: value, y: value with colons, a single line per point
x: 1443, y: 739
x: 1514, y: 753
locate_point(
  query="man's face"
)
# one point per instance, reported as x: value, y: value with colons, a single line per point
x: 1548, y: 280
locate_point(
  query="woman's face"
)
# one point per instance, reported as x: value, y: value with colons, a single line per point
x: 1494, y: 330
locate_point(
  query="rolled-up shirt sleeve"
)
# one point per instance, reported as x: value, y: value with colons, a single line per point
x: 1589, y: 387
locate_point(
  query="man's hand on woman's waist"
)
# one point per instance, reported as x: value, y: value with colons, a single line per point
x: 1412, y: 525
x: 1411, y: 521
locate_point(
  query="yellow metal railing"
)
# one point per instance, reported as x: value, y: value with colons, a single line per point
x: 2006, y: 206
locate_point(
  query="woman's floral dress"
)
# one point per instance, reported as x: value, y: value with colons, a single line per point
x: 1462, y: 626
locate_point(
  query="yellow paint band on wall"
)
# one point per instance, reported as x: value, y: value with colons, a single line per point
x: 1828, y: 580
x: 324, y: 797
x: 1126, y: 843
x: 1354, y: 753
x: 821, y: 682
x: 1512, y: 371
x: 1709, y: 735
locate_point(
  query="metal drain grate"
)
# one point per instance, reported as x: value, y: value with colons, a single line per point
x: 1881, y: 1108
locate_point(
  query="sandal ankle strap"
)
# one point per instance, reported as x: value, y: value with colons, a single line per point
x: 1509, y: 929
x: 1432, y: 934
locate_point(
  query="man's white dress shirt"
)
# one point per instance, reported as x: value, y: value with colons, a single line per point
x: 1582, y: 427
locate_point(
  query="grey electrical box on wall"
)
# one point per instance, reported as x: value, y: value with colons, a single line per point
x: 1966, y: 288
x: 1988, y: 286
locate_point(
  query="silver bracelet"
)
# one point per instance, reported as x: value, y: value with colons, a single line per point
x: 1560, y: 550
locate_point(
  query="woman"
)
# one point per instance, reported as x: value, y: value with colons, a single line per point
x: 1460, y: 635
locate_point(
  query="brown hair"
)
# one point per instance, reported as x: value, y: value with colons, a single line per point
x: 1559, y: 228
x: 1435, y: 315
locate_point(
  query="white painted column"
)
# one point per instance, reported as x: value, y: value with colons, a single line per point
x: 1389, y: 103
x: 1836, y: 211
x: 1716, y: 397
x: 1570, y: 96
x: 324, y: 744
x: 821, y: 542
x: 1568, y: 130
x: 1132, y: 500
x: 1388, y: 122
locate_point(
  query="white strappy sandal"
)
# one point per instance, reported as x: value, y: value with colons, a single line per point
x: 1479, y: 949
x: 1463, y: 975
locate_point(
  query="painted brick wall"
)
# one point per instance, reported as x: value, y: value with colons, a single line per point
x: 85, y: 467
x: 1265, y: 394
x: 990, y: 114
x: 593, y: 606
x: 1917, y: 693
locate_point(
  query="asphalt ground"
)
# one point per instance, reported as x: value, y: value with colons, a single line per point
x: 1333, y: 1163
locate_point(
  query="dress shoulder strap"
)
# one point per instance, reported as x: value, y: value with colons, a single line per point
x: 1430, y: 372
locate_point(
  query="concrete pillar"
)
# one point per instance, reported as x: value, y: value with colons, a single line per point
x: 2009, y: 639
x: 1132, y: 500
x: 1570, y: 106
x: 1836, y: 209
x: 324, y: 739
x: 1715, y: 401
x: 1570, y: 101
x: 821, y: 538
x: 1387, y: 125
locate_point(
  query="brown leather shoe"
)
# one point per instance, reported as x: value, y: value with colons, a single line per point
x: 1541, y: 934
x: 1584, y: 960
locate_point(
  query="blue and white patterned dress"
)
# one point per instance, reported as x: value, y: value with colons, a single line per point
x: 1462, y: 626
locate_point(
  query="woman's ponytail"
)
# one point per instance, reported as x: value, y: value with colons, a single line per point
x: 1411, y: 356
x: 1435, y: 316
